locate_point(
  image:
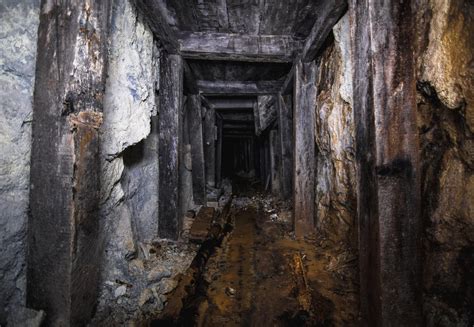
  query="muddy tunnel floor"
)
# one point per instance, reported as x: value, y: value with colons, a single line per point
x: 253, y: 272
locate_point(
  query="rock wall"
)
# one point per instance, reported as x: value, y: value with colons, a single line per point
x: 129, y: 144
x: 18, y: 34
x: 445, y: 86
x: 334, y: 129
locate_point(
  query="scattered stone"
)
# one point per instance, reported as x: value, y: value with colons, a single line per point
x: 157, y: 274
x: 167, y: 285
x: 274, y: 217
x: 120, y: 291
x: 230, y: 291
x: 145, y: 297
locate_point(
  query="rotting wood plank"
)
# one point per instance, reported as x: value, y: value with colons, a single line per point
x: 202, y: 224
x: 63, y: 257
x: 238, y: 47
x: 170, y: 124
x: 304, y: 148
x: 197, y: 149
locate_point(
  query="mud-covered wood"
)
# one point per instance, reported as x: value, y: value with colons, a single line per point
x: 197, y: 148
x: 171, y: 93
x: 388, y: 163
x: 63, y: 257
x: 202, y: 224
x: 304, y: 148
x: 238, y: 47
x: 285, y: 129
x: 329, y: 12
x: 239, y: 87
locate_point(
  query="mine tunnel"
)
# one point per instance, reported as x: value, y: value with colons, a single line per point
x: 236, y: 163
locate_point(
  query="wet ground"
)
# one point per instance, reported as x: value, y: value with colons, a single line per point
x: 253, y: 272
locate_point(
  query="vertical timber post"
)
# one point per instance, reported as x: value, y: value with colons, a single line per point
x: 63, y: 228
x: 388, y: 162
x: 197, y: 149
x: 285, y: 126
x: 275, y: 161
x: 170, y: 124
x: 210, y: 146
x: 219, y: 151
x: 304, y: 148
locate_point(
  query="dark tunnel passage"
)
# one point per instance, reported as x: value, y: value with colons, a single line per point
x: 236, y: 163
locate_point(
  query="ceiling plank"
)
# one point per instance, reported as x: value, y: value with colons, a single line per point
x: 238, y: 47
x: 329, y: 13
x: 239, y: 88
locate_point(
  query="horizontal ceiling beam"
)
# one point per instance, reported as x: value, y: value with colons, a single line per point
x: 239, y: 88
x: 233, y: 103
x: 328, y: 15
x: 238, y: 47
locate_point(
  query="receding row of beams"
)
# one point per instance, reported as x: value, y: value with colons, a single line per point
x: 236, y: 47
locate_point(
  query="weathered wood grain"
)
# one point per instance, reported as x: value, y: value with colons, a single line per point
x: 170, y: 124
x: 197, y: 149
x: 63, y: 257
x: 387, y: 152
x: 285, y: 128
x: 238, y: 47
x: 304, y: 148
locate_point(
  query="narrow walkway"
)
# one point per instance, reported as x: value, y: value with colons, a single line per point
x: 261, y: 276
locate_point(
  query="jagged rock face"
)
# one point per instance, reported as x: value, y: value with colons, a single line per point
x: 129, y: 146
x: 18, y: 33
x: 334, y: 128
x: 445, y: 122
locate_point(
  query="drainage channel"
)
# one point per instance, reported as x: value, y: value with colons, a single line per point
x: 182, y: 309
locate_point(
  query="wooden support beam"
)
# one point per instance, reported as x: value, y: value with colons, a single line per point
x: 388, y: 162
x: 170, y: 124
x: 63, y: 257
x: 237, y: 116
x: 190, y: 85
x: 210, y: 146
x: 197, y: 149
x: 149, y: 9
x: 238, y: 87
x: 275, y: 161
x: 267, y: 112
x: 238, y: 47
x: 304, y: 148
x: 219, y: 126
x: 328, y: 15
x: 287, y: 86
x: 285, y: 128
x: 233, y: 103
